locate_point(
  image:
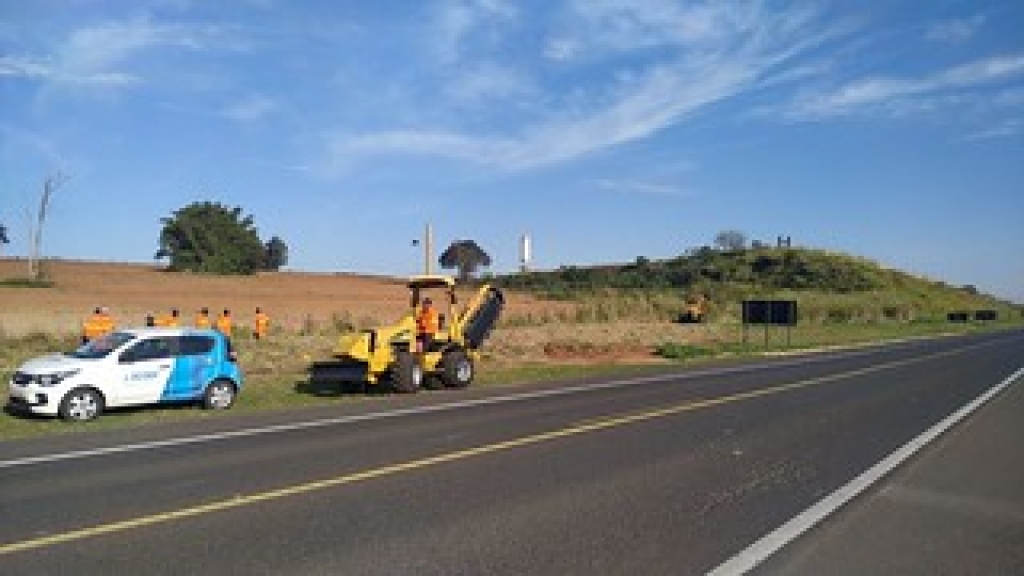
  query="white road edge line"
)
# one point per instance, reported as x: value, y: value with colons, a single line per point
x: 759, y: 551
x: 292, y: 426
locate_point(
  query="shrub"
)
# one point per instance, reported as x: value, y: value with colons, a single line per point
x: 677, y: 351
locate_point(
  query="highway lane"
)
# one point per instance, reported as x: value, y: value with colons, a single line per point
x: 659, y: 475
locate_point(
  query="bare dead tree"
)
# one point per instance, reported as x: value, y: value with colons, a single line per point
x: 50, y: 185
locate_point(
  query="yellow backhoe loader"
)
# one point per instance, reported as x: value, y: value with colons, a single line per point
x: 389, y: 354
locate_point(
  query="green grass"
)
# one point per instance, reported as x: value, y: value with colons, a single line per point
x: 26, y: 283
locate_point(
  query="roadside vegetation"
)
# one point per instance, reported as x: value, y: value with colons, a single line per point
x: 609, y: 318
x: 830, y: 288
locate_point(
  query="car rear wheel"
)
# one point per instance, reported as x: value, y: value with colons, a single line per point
x: 219, y: 395
x: 81, y: 404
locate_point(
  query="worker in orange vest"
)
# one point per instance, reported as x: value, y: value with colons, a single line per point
x: 224, y: 322
x: 97, y: 325
x: 203, y: 318
x: 166, y: 320
x: 261, y: 325
x: 91, y: 328
x: 427, y: 324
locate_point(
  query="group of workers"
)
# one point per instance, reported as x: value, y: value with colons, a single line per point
x: 102, y: 322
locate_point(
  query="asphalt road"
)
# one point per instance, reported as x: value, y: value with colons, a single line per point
x: 666, y: 474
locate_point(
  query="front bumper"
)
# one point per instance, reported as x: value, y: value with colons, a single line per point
x: 32, y: 399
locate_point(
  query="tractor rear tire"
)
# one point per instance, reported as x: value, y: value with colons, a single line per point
x: 406, y: 374
x: 457, y: 369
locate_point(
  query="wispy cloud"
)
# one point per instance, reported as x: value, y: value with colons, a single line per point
x: 1007, y: 128
x: 635, y: 187
x: 883, y: 91
x: 102, y: 55
x: 956, y: 31
x: 24, y: 66
x: 693, y: 57
x: 251, y: 108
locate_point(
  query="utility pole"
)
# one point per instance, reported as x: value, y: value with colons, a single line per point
x: 428, y: 250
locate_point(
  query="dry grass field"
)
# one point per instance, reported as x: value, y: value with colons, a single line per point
x: 294, y: 300
x: 308, y: 310
x: 309, y: 302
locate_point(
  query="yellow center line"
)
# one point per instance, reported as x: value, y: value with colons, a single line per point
x: 394, y: 469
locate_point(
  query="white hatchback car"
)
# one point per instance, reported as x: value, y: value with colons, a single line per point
x: 130, y: 368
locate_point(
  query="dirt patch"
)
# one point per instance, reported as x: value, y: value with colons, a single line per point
x: 608, y: 353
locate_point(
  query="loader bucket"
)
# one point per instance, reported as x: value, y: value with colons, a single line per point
x: 338, y: 371
x: 480, y: 324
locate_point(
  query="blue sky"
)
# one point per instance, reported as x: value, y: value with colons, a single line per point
x: 606, y: 130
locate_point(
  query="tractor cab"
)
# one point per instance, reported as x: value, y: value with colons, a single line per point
x: 422, y: 286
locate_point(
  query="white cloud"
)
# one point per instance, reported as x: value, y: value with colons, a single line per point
x: 485, y: 82
x: 252, y: 108
x: 640, y: 107
x: 107, y: 54
x: 561, y: 49
x: 462, y: 26
x: 642, y: 188
x: 884, y: 91
x: 660, y: 64
x: 956, y: 31
x: 1005, y: 129
x: 24, y: 66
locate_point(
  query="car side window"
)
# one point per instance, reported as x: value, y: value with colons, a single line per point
x: 195, y: 345
x: 151, y: 349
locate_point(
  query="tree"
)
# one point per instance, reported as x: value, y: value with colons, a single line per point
x: 50, y: 185
x: 275, y: 254
x: 211, y: 238
x: 3, y: 235
x: 733, y: 240
x: 465, y: 255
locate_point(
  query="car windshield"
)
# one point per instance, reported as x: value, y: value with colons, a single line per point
x: 102, y: 346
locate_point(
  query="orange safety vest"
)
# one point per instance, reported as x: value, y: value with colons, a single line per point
x: 97, y: 325
x: 166, y: 321
x: 202, y: 320
x: 427, y: 321
x: 224, y: 324
x: 93, y: 327
x: 262, y: 324
x: 108, y: 323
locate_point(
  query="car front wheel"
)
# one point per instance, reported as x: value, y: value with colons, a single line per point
x: 81, y: 404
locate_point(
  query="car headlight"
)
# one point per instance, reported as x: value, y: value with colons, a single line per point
x: 54, y: 378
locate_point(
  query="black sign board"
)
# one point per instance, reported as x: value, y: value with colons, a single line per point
x: 770, y: 312
x: 958, y: 316
x: 986, y: 315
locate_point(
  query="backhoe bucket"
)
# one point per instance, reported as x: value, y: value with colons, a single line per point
x: 479, y: 326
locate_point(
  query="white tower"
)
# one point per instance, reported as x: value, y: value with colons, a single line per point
x: 524, y: 253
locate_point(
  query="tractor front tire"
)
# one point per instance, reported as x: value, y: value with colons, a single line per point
x: 406, y: 374
x: 457, y: 369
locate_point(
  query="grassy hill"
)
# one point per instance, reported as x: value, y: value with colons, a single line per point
x: 829, y: 287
